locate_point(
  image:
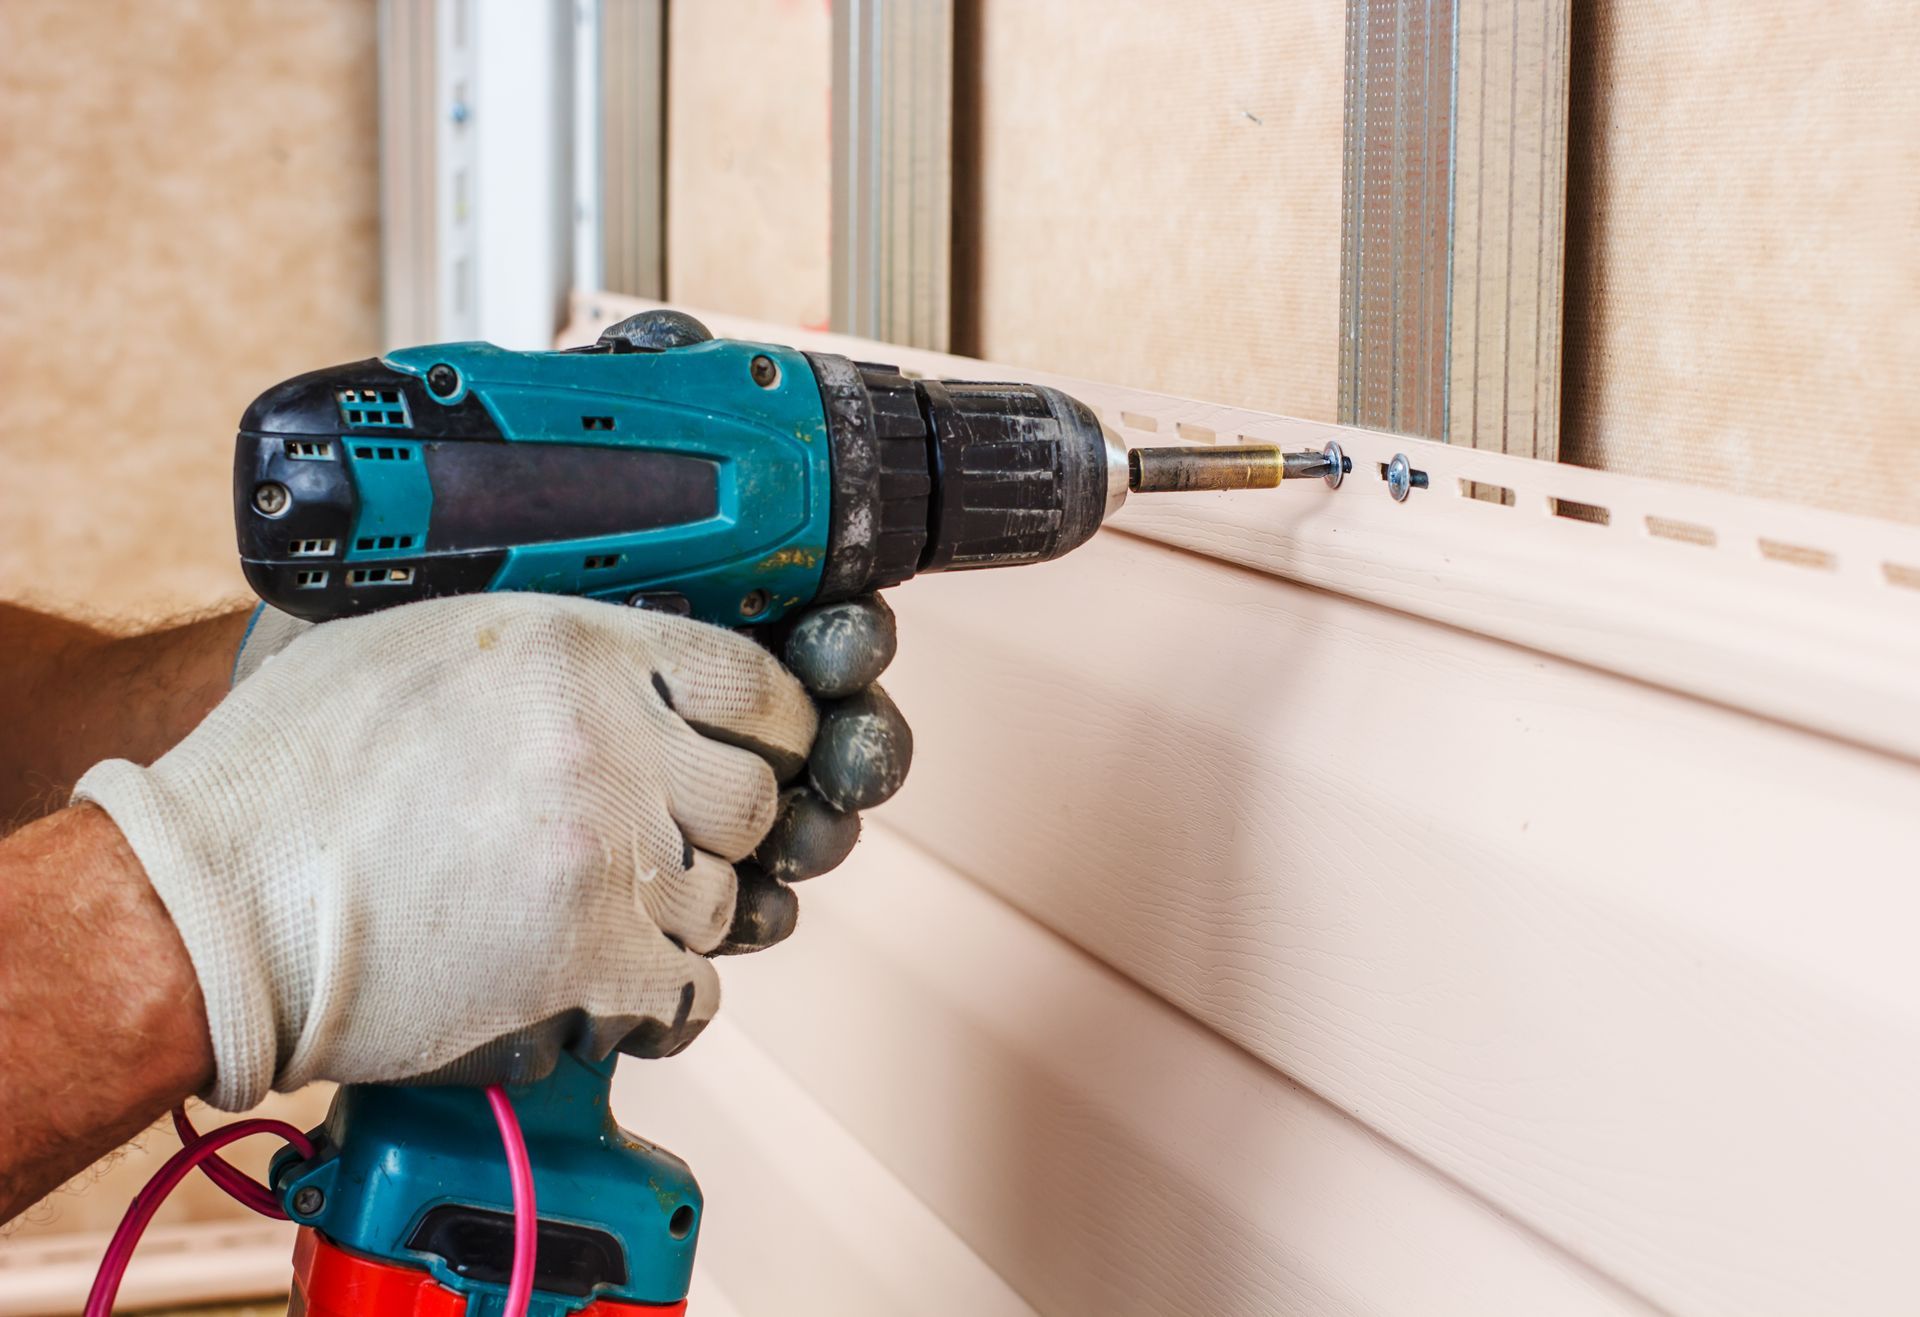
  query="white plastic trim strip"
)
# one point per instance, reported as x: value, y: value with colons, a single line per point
x: 1792, y: 613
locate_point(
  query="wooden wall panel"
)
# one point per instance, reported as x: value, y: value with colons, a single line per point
x: 748, y: 157
x: 1156, y: 195
x: 1743, y: 276
x: 1100, y: 1151
x: 192, y: 215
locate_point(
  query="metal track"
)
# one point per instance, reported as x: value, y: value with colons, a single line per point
x: 1453, y: 220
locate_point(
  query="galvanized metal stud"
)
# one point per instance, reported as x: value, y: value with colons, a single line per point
x: 1453, y: 220
x: 893, y: 170
x: 629, y: 166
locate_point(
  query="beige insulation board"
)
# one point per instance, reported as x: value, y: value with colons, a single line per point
x: 1150, y: 193
x: 749, y: 88
x: 192, y: 215
x: 1157, y: 196
x: 1743, y: 265
x: 1743, y: 278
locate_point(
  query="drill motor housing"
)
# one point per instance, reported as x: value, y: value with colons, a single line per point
x: 733, y: 482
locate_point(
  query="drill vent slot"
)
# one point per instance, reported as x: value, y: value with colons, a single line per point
x: 596, y: 561
x: 596, y: 422
x: 310, y: 450
x: 380, y: 576
x: 309, y: 580
x: 312, y: 548
x: 385, y: 408
x: 370, y: 453
x: 367, y: 542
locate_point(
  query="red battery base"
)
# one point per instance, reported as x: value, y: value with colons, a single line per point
x: 331, y: 1282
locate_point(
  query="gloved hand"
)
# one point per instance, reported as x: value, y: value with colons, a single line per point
x: 443, y: 841
x: 859, y: 759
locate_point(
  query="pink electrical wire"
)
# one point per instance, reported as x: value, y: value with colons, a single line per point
x: 242, y: 1187
x: 525, y: 1220
x: 113, y: 1266
x: 201, y: 1150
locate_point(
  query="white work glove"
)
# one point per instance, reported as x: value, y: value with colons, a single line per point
x: 444, y: 841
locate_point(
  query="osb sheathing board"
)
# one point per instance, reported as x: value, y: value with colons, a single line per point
x: 1156, y: 195
x: 1743, y: 275
x: 192, y: 215
x: 748, y: 160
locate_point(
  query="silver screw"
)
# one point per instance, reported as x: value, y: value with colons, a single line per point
x: 1402, y: 479
x: 1336, y: 464
x: 271, y: 499
x: 308, y: 1201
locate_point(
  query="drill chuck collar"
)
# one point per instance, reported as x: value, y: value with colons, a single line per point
x: 933, y: 476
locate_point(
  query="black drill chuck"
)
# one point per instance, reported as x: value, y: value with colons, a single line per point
x: 934, y: 476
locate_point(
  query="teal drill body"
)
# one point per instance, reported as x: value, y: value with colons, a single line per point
x: 733, y: 524
x: 731, y: 482
x: 756, y: 528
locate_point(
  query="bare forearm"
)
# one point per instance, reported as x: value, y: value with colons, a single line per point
x: 102, y: 1026
x: 71, y: 696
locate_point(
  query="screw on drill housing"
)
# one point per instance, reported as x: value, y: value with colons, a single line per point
x: 443, y: 381
x: 765, y: 373
x: 271, y: 499
x: 308, y: 1201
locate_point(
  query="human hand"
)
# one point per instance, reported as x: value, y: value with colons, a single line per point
x: 443, y: 841
x: 858, y: 759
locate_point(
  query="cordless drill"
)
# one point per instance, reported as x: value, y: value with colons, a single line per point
x: 660, y: 468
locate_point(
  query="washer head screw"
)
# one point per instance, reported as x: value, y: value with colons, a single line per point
x: 1402, y: 479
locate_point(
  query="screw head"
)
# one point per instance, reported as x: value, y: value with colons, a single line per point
x: 308, y: 1201
x: 765, y: 373
x: 754, y: 604
x: 1399, y: 477
x: 443, y: 381
x: 271, y: 499
x: 1338, y: 464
